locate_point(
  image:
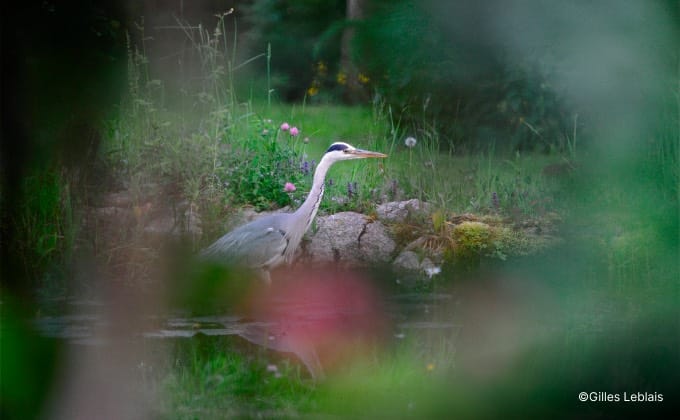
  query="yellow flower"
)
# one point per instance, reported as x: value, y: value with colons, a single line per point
x: 363, y: 79
x: 321, y: 68
x: 341, y: 78
x: 314, y: 88
x: 430, y: 367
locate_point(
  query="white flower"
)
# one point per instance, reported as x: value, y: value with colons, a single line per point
x: 410, y: 142
x: 432, y: 271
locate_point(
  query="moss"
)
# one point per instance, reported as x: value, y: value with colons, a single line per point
x: 515, y: 242
x: 472, y: 237
x: 473, y: 240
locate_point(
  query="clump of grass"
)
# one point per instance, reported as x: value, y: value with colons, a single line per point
x: 256, y: 172
x: 47, y: 228
x: 206, y: 381
x: 486, y: 183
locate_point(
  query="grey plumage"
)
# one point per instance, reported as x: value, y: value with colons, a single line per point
x: 256, y: 244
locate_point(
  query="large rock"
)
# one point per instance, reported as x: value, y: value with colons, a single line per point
x: 121, y: 199
x: 409, y: 260
x: 399, y: 211
x: 349, y: 237
x: 165, y: 225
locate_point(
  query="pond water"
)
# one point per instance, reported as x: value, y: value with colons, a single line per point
x: 484, y: 332
x: 288, y: 326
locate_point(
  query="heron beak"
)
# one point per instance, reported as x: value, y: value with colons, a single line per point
x: 366, y: 153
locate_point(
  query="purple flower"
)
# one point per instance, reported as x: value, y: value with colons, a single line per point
x: 394, y: 188
x: 304, y: 168
x: 351, y: 189
x: 294, y: 131
x: 285, y: 126
x: 495, y: 203
x: 289, y: 187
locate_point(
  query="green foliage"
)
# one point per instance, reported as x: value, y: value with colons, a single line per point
x: 429, y: 64
x: 27, y: 364
x: 512, y: 186
x: 46, y: 229
x: 209, y: 382
x: 515, y: 242
x: 257, y: 173
x: 425, y: 63
x: 293, y: 29
x: 483, y: 183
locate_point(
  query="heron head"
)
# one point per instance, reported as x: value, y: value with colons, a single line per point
x: 343, y: 151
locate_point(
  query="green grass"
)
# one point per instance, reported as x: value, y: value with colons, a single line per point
x: 212, y: 377
x: 174, y: 152
x: 46, y: 230
x: 206, y: 381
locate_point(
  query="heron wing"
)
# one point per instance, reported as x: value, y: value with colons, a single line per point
x: 257, y: 244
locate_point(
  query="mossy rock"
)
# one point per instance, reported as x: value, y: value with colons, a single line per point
x: 472, y: 237
x: 466, y: 239
x: 473, y: 240
x: 516, y: 242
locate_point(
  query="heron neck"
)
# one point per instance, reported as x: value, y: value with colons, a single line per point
x: 307, y: 211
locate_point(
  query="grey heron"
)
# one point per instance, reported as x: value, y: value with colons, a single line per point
x: 270, y: 241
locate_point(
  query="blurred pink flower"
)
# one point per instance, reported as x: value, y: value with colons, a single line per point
x: 289, y: 187
x: 285, y: 126
x: 294, y: 131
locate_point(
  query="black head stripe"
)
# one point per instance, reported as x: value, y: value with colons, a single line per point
x: 336, y: 146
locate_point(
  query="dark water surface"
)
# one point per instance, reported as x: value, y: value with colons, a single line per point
x: 89, y: 323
